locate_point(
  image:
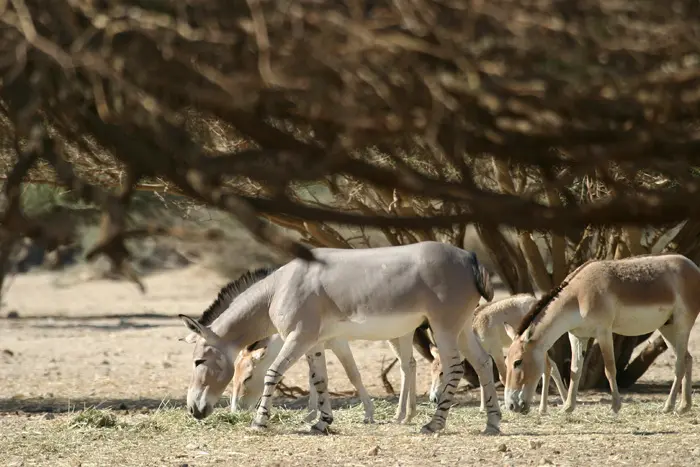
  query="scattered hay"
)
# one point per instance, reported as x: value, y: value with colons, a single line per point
x: 94, y: 418
x: 638, y: 435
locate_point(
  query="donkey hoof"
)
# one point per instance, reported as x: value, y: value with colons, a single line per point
x: 667, y: 409
x: 428, y: 429
x: 683, y: 408
x: 369, y: 420
x: 258, y: 426
x: 491, y: 431
x: 319, y: 429
x: 407, y: 420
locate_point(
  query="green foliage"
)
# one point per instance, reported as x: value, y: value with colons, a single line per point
x: 39, y: 199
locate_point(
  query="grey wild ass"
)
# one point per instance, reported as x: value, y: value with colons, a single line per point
x: 494, y: 324
x: 630, y: 297
x: 253, y: 361
x: 251, y: 365
x: 372, y: 294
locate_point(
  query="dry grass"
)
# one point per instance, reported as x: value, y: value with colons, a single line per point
x: 60, y: 359
x: 168, y: 436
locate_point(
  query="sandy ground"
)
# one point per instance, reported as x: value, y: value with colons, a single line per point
x: 101, y: 343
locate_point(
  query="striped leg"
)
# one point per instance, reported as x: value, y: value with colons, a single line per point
x: 481, y: 361
x: 295, y: 345
x: 319, y: 378
x: 497, y: 356
x: 453, y: 370
x: 313, y: 395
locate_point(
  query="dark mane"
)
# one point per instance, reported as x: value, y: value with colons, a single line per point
x: 546, y: 299
x: 232, y: 290
x: 538, y: 306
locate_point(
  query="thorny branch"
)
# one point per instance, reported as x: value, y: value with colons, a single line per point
x: 602, y: 90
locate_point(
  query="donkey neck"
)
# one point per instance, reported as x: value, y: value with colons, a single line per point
x: 559, y: 317
x: 247, y: 318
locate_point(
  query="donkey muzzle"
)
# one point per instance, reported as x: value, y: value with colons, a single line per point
x: 199, y: 414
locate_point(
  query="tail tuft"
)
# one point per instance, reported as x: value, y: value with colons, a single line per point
x: 482, y: 279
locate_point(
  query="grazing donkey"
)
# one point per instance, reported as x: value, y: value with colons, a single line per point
x: 247, y: 360
x: 372, y: 294
x: 251, y: 365
x: 494, y: 325
x: 630, y: 297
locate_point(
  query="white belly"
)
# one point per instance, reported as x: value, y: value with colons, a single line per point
x: 641, y: 320
x: 374, y: 328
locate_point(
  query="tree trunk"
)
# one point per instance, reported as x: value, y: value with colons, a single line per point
x: 6, y: 246
x: 510, y: 262
x: 559, y: 263
x: 641, y: 364
x: 593, y: 376
x: 538, y: 270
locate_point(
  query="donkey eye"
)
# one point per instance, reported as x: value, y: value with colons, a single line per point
x: 517, y: 363
x: 199, y: 362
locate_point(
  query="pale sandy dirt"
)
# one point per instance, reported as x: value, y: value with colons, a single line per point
x: 65, y: 352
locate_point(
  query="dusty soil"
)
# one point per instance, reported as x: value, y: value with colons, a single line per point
x: 80, y: 343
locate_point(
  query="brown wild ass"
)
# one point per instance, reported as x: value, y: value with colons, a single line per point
x: 630, y: 297
x: 372, y: 294
x: 494, y: 325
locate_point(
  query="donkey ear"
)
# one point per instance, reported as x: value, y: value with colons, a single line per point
x: 262, y: 343
x: 259, y: 353
x: 202, y: 331
x: 434, y: 351
x: 190, y: 338
x: 191, y: 324
x: 510, y: 331
x: 527, y: 335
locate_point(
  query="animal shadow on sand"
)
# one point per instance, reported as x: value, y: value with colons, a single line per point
x: 95, y: 322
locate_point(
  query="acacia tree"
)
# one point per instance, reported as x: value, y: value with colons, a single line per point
x: 575, y: 124
x: 527, y: 261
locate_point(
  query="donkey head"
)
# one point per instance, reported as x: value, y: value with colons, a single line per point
x: 249, y: 372
x: 212, y: 368
x: 524, y: 366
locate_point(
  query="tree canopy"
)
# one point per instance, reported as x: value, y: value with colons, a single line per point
x: 597, y: 99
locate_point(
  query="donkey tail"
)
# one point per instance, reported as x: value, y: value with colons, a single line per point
x: 422, y: 341
x: 482, y: 279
